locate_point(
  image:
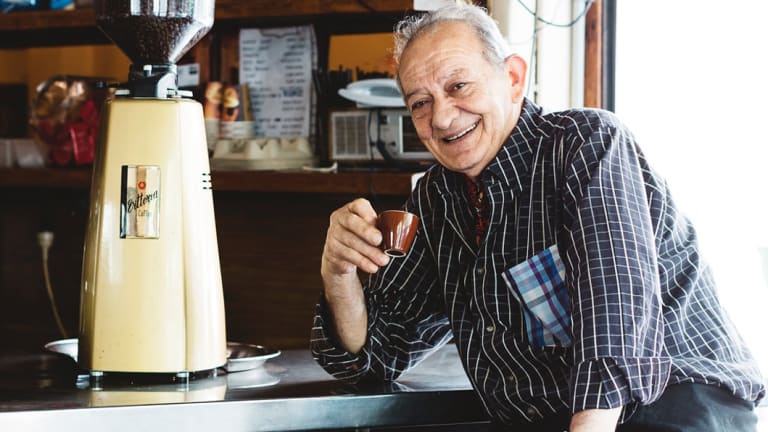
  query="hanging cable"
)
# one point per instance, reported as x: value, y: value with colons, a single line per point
x: 532, y: 84
x: 45, y: 240
x: 587, y: 4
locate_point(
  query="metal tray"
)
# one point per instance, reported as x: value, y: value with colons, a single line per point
x: 240, y: 356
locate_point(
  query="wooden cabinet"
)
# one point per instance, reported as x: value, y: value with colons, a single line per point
x: 270, y: 225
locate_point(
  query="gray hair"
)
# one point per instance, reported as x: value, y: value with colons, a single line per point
x: 477, y: 17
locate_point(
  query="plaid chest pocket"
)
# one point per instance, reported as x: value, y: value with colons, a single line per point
x: 538, y: 285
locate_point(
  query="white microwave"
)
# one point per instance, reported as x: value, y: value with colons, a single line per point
x: 354, y: 135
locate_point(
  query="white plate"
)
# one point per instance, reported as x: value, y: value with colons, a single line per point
x: 240, y: 356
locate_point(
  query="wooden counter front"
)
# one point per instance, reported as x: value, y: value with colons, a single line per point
x: 271, y: 228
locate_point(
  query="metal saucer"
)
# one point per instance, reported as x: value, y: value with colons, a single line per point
x: 240, y: 356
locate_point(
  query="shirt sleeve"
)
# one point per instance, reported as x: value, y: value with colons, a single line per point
x: 613, y: 276
x: 406, y: 322
x: 328, y: 353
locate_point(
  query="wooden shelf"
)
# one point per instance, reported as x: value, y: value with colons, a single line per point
x: 45, y: 178
x: 352, y: 183
x: 238, y: 9
x: 225, y: 10
x: 78, y: 26
x: 46, y: 20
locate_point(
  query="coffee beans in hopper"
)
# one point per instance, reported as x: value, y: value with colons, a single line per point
x: 147, y: 37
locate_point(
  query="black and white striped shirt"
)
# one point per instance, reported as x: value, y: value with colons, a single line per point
x: 643, y: 308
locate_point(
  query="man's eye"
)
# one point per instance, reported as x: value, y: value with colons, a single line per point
x: 459, y: 86
x: 418, y: 104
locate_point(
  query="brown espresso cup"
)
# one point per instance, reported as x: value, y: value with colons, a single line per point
x: 398, y: 229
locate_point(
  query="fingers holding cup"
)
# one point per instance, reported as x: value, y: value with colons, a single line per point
x: 352, y: 240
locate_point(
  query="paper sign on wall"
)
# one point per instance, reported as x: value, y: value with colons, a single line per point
x: 276, y: 64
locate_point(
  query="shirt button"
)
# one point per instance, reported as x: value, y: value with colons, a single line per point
x: 531, y: 411
x: 480, y: 271
x: 490, y: 328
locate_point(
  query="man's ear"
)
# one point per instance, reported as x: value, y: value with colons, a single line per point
x: 516, y: 68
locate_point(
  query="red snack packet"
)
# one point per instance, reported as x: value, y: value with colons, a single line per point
x: 65, y: 116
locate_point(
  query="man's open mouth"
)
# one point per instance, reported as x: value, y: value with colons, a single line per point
x: 461, y: 134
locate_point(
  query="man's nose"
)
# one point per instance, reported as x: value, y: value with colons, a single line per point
x: 443, y: 113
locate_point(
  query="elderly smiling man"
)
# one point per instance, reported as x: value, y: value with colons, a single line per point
x: 548, y: 250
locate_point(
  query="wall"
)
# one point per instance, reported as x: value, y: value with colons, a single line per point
x: 369, y: 52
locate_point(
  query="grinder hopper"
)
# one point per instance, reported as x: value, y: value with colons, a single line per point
x: 154, y: 32
x: 154, y: 35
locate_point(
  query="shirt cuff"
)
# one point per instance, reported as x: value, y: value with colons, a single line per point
x: 328, y: 353
x: 612, y: 382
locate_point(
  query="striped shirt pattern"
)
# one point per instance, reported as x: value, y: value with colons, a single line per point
x: 644, y: 311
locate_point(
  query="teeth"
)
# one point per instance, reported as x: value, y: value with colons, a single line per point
x: 462, y: 133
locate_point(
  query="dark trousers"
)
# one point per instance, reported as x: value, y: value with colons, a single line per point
x: 693, y: 408
x: 682, y: 408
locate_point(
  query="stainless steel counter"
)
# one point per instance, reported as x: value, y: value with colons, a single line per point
x: 42, y: 392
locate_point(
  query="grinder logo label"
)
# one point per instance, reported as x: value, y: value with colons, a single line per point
x: 140, y: 201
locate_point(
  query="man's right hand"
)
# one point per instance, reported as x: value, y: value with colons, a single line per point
x: 352, y: 243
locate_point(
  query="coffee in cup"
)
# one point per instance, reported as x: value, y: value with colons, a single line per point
x: 398, y: 228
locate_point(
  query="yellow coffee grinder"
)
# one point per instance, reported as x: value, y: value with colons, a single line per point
x: 151, y: 292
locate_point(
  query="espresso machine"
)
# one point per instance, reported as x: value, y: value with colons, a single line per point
x: 151, y: 291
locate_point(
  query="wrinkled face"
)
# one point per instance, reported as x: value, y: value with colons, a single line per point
x: 462, y: 106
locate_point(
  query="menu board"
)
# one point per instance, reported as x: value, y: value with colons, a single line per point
x: 276, y: 64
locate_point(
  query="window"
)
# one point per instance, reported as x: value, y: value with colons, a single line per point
x: 691, y: 82
x: 549, y: 35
